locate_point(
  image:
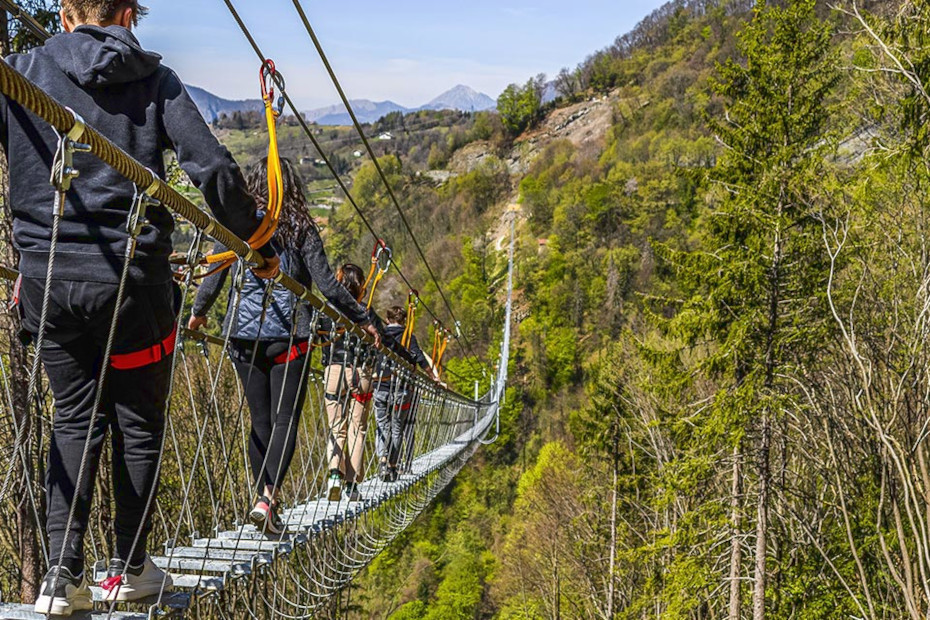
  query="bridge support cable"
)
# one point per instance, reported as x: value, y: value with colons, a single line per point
x: 219, y: 565
x: 371, y: 153
x: 338, y: 178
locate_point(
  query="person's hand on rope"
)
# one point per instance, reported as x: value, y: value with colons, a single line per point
x: 271, y: 269
x: 373, y: 332
x: 196, y: 322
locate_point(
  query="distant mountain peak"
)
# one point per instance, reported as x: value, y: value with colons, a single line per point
x: 460, y: 97
x: 463, y: 98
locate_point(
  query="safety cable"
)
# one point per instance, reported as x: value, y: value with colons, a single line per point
x: 374, y: 159
x: 473, y: 358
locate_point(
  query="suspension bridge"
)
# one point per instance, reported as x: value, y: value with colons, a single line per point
x: 219, y: 566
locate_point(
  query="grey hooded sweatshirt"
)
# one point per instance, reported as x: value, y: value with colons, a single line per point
x: 125, y: 93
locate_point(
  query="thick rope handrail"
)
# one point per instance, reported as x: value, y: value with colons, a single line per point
x: 17, y: 88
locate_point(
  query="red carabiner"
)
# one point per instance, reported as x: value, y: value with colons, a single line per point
x: 266, y: 75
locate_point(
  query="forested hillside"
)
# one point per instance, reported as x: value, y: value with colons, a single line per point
x: 721, y: 398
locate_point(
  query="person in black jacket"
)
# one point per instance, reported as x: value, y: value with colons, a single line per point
x: 98, y: 69
x: 393, y: 396
x: 347, y: 392
x: 270, y: 355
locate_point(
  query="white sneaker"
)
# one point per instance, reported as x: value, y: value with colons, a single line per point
x: 70, y: 594
x: 132, y: 584
x: 352, y: 492
x: 334, y: 488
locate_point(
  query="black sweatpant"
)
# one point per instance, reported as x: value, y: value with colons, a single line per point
x: 275, y: 392
x: 132, y: 406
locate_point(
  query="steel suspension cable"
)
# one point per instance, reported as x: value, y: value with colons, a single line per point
x: 374, y: 159
x: 337, y: 177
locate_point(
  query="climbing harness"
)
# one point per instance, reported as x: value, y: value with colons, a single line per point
x: 293, y: 353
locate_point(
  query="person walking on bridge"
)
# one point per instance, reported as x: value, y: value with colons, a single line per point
x: 98, y: 68
x: 267, y: 349
x: 394, y: 399
x: 347, y: 392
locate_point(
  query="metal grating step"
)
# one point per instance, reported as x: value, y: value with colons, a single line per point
x: 15, y: 611
x: 188, y: 565
x: 245, y: 544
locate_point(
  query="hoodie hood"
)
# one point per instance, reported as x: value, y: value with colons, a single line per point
x: 98, y: 57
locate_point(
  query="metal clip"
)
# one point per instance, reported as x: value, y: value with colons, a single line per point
x: 239, y: 281
x: 141, y: 201
x: 193, y: 253
x: 63, y: 170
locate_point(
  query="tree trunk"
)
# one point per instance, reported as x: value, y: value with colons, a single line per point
x: 612, y: 575
x: 762, y: 518
x: 736, y: 548
x: 763, y: 463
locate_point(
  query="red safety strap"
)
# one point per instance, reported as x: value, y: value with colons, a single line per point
x: 363, y: 398
x: 293, y: 353
x: 405, y: 406
x: 145, y: 357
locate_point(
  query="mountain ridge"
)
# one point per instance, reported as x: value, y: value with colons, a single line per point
x: 459, y: 97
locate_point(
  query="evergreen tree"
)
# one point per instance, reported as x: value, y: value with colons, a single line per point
x: 756, y: 283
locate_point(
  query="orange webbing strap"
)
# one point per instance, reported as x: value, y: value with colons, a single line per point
x: 269, y: 223
x: 339, y: 334
x: 381, y: 258
x: 413, y: 300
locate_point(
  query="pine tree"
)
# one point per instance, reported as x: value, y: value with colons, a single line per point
x: 757, y: 281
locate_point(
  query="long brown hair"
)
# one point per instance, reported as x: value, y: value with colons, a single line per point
x: 295, y: 220
x: 353, y: 278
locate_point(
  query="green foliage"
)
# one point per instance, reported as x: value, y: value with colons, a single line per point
x: 520, y: 106
x: 720, y: 309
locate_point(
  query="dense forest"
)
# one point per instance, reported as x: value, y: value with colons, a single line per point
x: 721, y: 399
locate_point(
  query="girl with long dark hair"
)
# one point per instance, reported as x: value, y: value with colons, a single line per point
x: 270, y: 355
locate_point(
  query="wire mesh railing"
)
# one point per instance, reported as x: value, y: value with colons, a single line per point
x: 215, y: 563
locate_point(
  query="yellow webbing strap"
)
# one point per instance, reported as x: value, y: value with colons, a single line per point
x: 269, y: 223
x: 413, y: 300
x: 379, y: 267
x: 442, y: 352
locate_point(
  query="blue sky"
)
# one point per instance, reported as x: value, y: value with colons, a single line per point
x: 403, y: 50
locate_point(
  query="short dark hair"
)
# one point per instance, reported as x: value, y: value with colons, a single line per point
x: 99, y: 11
x: 396, y: 314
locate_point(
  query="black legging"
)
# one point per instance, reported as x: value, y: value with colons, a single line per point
x: 275, y: 391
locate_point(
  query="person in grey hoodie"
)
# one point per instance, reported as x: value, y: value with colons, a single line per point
x: 98, y: 68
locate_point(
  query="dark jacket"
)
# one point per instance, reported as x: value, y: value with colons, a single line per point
x: 126, y: 94
x: 334, y: 347
x: 308, y: 265
x: 391, y: 340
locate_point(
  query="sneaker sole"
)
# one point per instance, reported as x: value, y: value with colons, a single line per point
x: 62, y: 607
x: 126, y: 593
x: 257, y: 517
x: 260, y: 521
x: 335, y: 494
